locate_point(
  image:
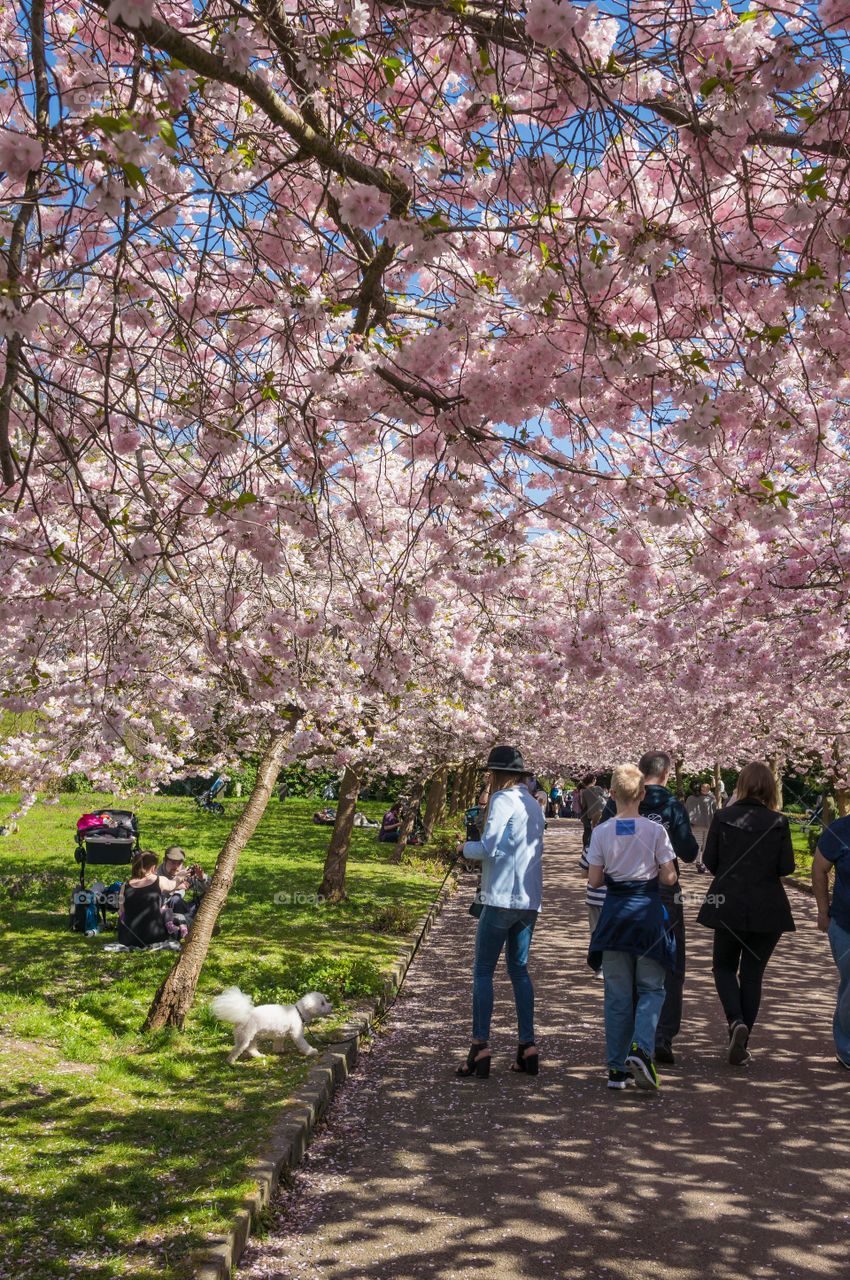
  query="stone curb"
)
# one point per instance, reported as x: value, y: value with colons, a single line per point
x: 294, y: 1129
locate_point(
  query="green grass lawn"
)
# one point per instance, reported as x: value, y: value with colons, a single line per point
x: 802, y: 852
x: 119, y: 1152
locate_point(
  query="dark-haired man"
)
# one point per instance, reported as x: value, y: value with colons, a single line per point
x: 660, y: 805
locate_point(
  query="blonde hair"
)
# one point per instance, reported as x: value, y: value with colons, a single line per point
x: 627, y: 784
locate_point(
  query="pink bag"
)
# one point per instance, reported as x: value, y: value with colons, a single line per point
x: 89, y: 820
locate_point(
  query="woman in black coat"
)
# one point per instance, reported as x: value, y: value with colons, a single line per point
x: 748, y: 850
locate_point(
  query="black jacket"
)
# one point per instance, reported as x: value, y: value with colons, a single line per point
x: 748, y: 849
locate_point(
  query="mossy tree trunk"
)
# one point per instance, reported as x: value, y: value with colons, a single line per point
x: 408, y: 818
x: 176, y: 995
x: 776, y: 770
x: 332, y: 887
x: 435, y: 801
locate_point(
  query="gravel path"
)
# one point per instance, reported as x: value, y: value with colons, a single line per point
x: 725, y: 1174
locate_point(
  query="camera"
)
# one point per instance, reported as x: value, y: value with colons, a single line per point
x: 473, y: 831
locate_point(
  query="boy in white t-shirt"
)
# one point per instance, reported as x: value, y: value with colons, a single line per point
x: 632, y: 855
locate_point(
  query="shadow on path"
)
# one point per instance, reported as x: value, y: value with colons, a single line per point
x: 726, y: 1173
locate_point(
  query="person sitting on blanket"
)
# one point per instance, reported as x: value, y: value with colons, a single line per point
x: 143, y: 918
x: 189, y: 880
x: 391, y: 822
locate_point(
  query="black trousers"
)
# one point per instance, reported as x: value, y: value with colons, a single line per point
x: 738, y: 964
x: 670, y: 1020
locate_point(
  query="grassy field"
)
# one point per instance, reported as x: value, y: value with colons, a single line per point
x: 802, y: 852
x: 119, y: 1152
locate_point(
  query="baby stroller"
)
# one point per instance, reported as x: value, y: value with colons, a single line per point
x: 207, y: 799
x: 107, y: 838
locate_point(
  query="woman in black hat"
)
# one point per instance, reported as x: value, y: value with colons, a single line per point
x: 511, y: 851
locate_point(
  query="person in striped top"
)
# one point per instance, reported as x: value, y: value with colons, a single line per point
x: 594, y: 900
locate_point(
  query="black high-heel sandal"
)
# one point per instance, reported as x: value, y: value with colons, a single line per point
x: 475, y: 1064
x: 530, y: 1064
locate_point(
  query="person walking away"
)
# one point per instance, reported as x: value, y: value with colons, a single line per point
x: 594, y: 900
x: 631, y: 855
x: 833, y: 851
x: 748, y: 851
x: 659, y: 805
x: 701, y: 807
x: 511, y: 854
x: 591, y: 806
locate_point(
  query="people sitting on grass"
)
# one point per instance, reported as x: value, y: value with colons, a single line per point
x: 391, y: 822
x: 143, y: 918
x: 191, y: 884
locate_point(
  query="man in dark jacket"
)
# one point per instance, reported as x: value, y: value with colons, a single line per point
x: 660, y: 805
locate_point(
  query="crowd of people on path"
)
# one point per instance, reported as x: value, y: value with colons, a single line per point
x: 635, y: 838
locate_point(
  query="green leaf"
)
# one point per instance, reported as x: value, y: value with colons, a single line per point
x: 111, y: 125
x: 709, y: 85
x: 485, y: 282
x: 134, y: 175
x: 166, y: 132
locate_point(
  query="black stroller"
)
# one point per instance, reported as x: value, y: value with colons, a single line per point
x: 108, y: 838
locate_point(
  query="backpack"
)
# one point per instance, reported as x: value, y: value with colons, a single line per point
x: 84, y: 917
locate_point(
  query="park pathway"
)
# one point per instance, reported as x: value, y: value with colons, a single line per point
x: 725, y: 1175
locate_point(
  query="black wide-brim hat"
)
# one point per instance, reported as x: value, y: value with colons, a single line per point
x: 506, y: 760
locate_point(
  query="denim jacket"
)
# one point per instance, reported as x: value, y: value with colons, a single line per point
x: 511, y: 851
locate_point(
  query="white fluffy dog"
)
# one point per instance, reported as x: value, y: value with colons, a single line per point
x: 268, y: 1021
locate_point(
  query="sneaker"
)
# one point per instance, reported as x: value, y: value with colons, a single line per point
x: 739, y: 1034
x: 620, y: 1079
x: 642, y: 1068
x: 664, y: 1054
x: 702, y: 869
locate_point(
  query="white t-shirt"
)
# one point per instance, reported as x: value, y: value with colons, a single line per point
x: 630, y: 848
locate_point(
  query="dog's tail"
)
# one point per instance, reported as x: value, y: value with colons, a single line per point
x: 232, y: 1005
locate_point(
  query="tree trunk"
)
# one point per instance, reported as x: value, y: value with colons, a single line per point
x: 176, y: 995
x: 407, y: 819
x: 436, y: 800
x: 680, y: 790
x: 455, y: 796
x: 718, y: 782
x: 776, y: 770
x: 828, y: 810
x: 470, y: 777
x: 333, y: 879
x: 842, y: 800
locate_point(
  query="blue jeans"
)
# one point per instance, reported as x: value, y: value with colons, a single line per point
x: 626, y: 1021
x: 839, y: 940
x: 503, y: 927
